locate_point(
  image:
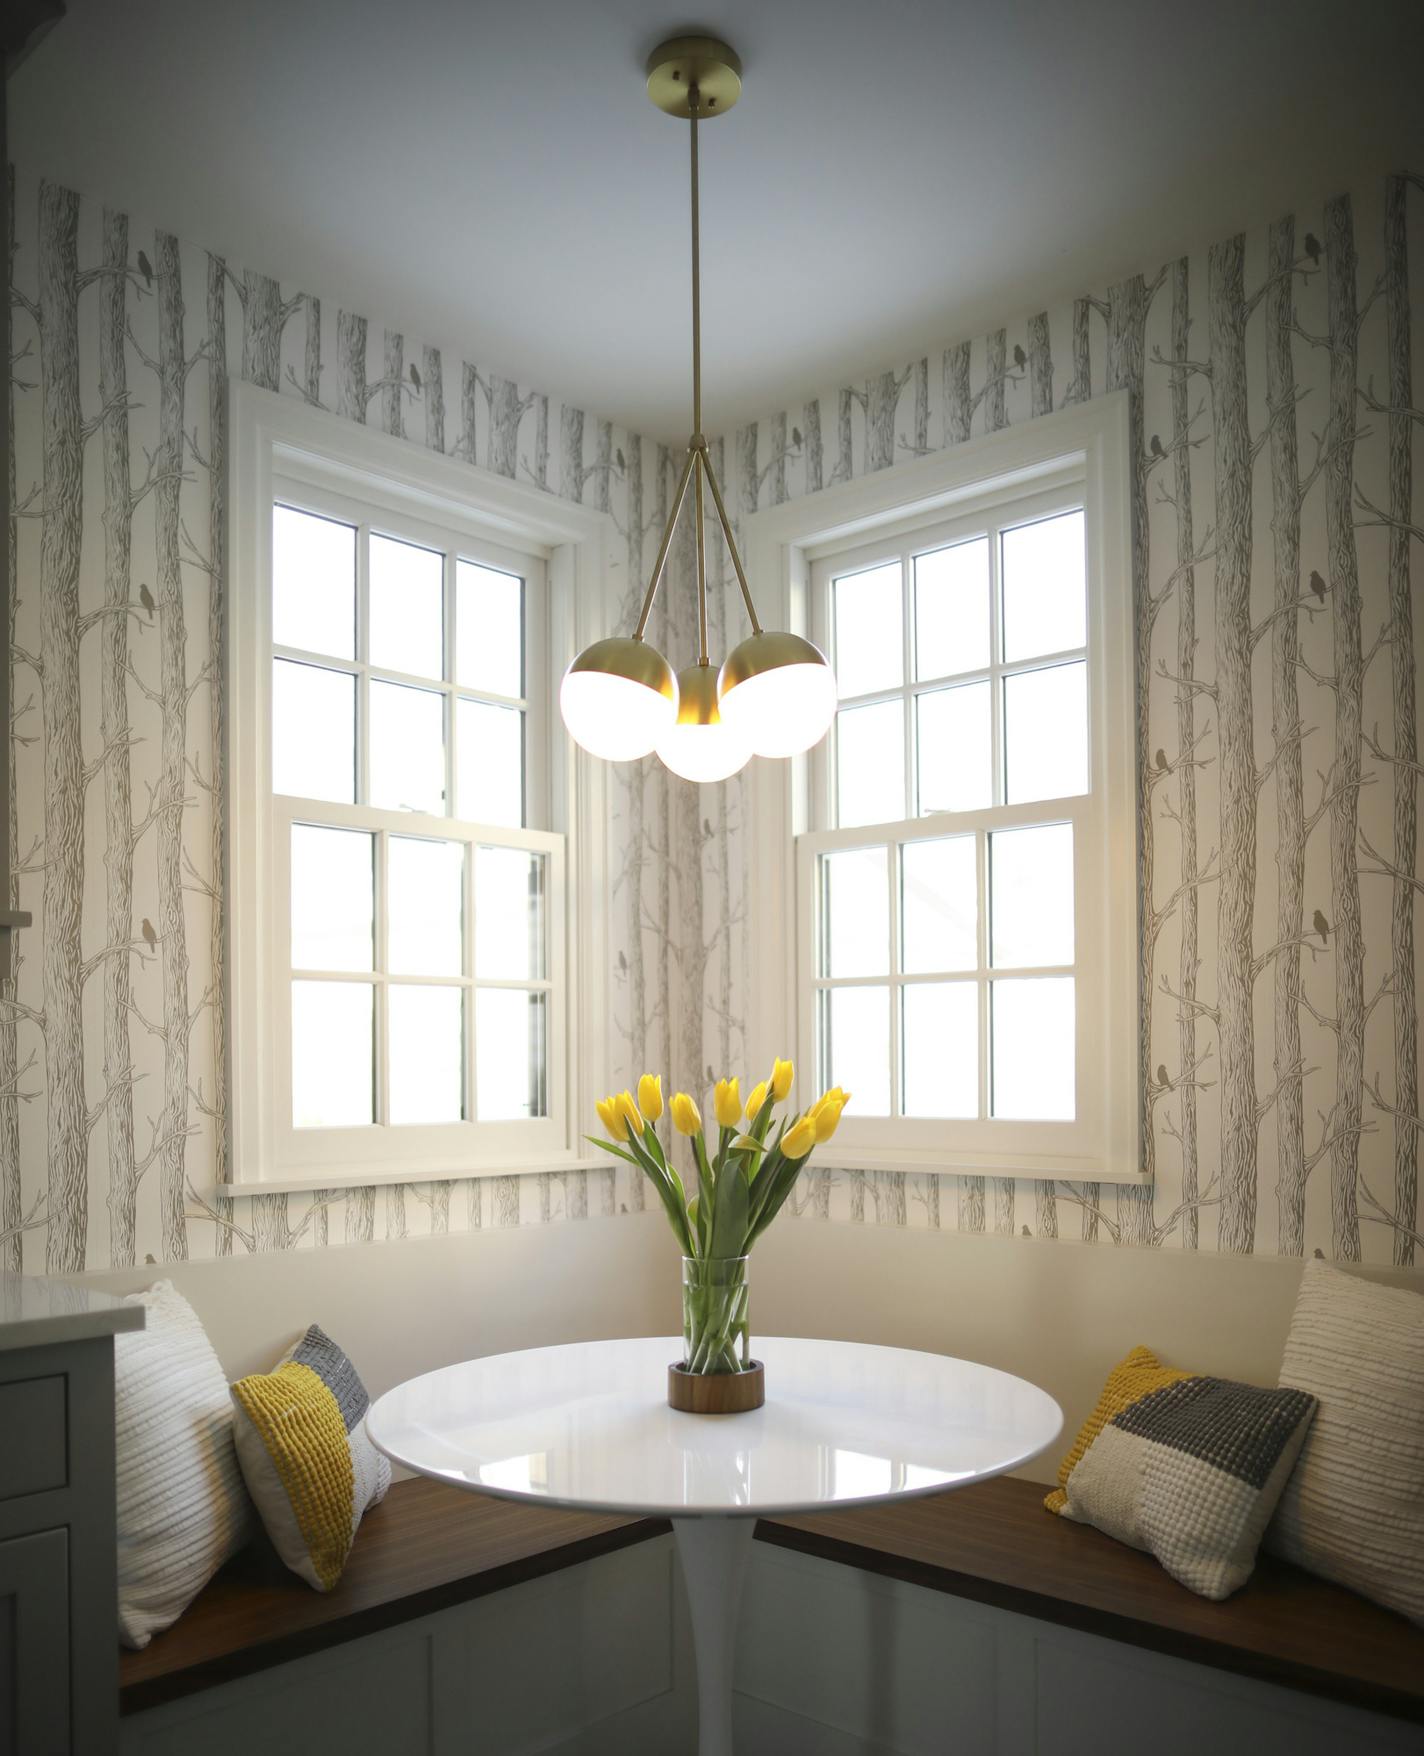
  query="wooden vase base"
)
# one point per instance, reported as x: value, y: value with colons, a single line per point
x: 716, y: 1393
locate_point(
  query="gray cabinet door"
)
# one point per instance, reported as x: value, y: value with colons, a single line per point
x: 34, y: 1644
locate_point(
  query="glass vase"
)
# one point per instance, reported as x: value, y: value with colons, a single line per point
x: 716, y: 1334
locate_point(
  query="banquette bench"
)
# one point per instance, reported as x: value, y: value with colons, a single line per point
x: 971, y: 1621
x: 431, y: 1549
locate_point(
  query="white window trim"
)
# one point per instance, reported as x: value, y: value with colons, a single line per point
x: 1092, y: 440
x: 275, y: 437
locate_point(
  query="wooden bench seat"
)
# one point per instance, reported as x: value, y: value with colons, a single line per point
x: 995, y: 1544
x: 427, y: 1547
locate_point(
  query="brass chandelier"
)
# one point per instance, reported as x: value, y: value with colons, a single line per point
x: 775, y: 694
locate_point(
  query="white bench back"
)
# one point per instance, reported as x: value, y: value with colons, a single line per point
x: 1057, y: 1313
x: 399, y: 1309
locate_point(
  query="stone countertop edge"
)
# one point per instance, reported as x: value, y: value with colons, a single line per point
x: 36, y: 1311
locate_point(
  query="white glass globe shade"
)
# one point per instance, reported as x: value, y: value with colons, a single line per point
x: 700, y: 745
x: 617, y: 698
x: 779, y: 693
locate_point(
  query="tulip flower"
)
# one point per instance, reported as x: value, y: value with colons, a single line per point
x: 686, y: 1117
x: 610, y: 1113
x: 827, y: 1114
x: 629, y: 1111
x: 650, y: 1095
x: 755, y: 1101
x: 782, y: 1073
x: 798, y: 1140
x: 727, y: 1102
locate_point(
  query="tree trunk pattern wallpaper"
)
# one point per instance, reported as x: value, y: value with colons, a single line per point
x: 1276, y: 555
x: 1276, y: 564
x: 113, y: 1029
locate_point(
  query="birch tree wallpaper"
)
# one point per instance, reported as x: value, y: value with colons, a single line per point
x: 1274, y: 417
x: 1275, y: 513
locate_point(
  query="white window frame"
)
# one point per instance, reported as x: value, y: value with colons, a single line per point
x: 1080, y: 454
x: 280, y: 449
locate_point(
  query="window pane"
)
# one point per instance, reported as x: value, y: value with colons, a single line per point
x: 1046, y: 733
x: 313, y: 732
x: 511, y: 1055
x: 1031, y: 895
x: 1034, y: 1043
x: 407, y: 608
x: 490, y: 748
x: 332, y: 898
x: 425, y: 907
x: 427, y: 1053
x: 939, y: 906
x: 940, y: 1048
x: 869, y: 637
x: 332, y: 1054
x: 855, y: 899
x: 855, y: 1045
x: 489, y: 630
x: 313, y: 583
x: 1045, y: 593
x: 952, y: 609
x: 870, y: 764
x: 955, y: 756
x: 509, y: 915
x: 407, y: 748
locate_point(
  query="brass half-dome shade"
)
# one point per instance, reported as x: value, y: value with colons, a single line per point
x: 700, y: 745
x: 617, y: 698
x: 779, y: 692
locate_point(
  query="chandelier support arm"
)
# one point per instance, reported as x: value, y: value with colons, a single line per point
x: 664, y: 546
x: 726, y: 524
x: 701, y: 562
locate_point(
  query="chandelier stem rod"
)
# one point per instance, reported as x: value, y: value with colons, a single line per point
x: 694, y: 99
x: 665, y: 545
x: 731, y: 542
x: 701, y: 563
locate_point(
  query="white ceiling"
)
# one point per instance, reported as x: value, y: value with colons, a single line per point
x: 492, y: 177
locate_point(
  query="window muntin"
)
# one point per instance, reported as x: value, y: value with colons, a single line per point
x: 956, y: 839
x: 962, y: 669
x: 414, y: 884
x: 431, y: 643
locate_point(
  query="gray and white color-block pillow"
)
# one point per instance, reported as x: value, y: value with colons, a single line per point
x: 182, y: 1508
x: 1191, y: 1473
x: 1354, y: 1509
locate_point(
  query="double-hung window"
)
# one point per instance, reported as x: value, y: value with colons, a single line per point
x: 407, y: 858
x: 964, y: 882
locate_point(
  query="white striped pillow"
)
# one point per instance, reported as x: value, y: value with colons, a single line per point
x: 1353, y: 1511
x: 182, y: 1507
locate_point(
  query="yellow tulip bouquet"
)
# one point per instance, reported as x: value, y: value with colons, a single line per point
x: 740, y: 1189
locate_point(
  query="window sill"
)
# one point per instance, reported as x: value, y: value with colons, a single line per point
x: 347, y: 1178
x: 948, y: 1164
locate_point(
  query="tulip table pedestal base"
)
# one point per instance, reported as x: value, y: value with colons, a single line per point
x: 713, y: 1553
x: 588, y: 1427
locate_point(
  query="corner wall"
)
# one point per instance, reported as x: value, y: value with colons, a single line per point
x: 1276, y: 578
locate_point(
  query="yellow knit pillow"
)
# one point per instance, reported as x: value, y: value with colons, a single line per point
x: 309, y: 1467
x: 1132, y: 1378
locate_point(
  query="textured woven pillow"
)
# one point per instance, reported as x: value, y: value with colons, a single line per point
x: 1187, y: 1467
x: 1354, y: 1509
x: 182, y: 1510
x: 301, y: 1440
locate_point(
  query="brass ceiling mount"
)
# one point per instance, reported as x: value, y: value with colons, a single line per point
x: 682, y: 62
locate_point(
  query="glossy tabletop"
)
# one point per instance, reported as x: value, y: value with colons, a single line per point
x: 588, y: 1426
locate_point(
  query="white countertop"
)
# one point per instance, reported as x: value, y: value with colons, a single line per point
x: 35, y: 1311
x: 588, y: 1426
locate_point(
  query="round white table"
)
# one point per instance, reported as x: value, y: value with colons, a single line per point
x: 587, y: 1426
